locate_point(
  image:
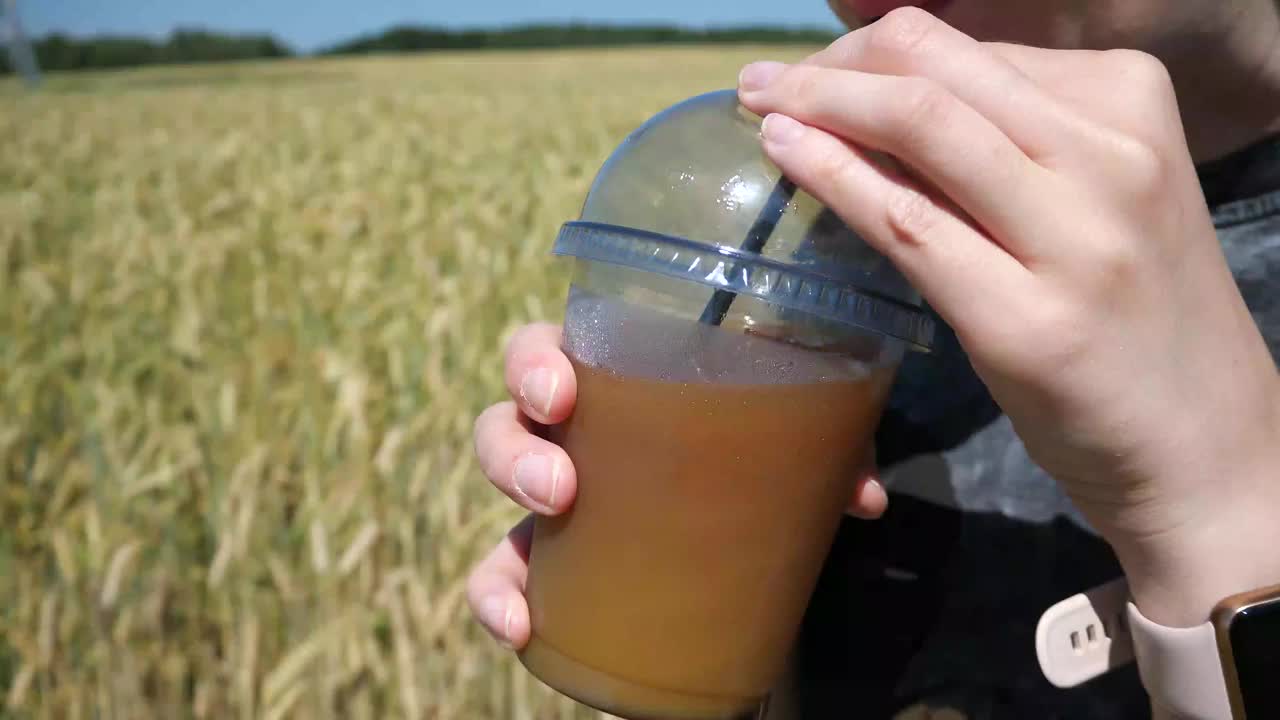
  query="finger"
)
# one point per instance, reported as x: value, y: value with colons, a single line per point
x: 535, y: 473
x: 495, y: 589
x: 968, y: 279
x: 1050, y: 69
x: 869, y: 500
x: 1092, y: 82
x: 930, y: 130
x: 538, y: 374
x: 912, y: 42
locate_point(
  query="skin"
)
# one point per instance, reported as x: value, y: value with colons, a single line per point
x: 1053, y: 217
x: 1223, y: 55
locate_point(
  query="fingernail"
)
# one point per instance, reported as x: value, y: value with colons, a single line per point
x: 495, y: 613
x: 758, y: 75
x: 538, y: 388
x: 537, y: 477
x: 781, y: 129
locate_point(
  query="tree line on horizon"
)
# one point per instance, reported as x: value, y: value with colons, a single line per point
x: 58, y: 51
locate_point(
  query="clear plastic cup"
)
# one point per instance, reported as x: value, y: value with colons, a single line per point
x: 734, y: 344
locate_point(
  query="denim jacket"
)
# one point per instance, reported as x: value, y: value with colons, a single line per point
x: 936, y: 604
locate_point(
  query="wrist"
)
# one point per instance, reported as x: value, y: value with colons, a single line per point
x: 1227, y: 546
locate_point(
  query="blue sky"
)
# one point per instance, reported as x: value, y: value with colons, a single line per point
x: 307, y: 24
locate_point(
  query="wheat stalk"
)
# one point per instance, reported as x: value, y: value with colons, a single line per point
x: 248, y: 313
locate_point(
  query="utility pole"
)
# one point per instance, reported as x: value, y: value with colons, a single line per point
x: 21, y: 59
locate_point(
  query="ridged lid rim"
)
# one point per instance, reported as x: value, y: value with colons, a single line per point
x: 747, y: 273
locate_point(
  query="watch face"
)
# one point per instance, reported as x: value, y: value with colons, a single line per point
x: 1255, y: 643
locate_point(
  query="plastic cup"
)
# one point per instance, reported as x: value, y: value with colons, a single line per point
x: 715, y: 450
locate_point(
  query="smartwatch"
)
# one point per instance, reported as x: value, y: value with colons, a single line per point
x: 1247, y: 627
x: 1225, y: 669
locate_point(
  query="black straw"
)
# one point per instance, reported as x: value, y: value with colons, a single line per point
x: 776, y: 204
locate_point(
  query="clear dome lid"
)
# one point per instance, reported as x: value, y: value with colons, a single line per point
x: 690, y: 194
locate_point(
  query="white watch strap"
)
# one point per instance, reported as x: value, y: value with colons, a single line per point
x: 1094, y: 632
x: 1085, y: 635
x: 1181, y: 668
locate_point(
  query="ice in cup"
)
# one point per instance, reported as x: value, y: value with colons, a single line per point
x: 734, y: 344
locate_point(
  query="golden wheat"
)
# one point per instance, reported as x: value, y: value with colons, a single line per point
x: 247, y: 315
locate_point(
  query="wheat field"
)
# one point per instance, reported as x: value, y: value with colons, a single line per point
x: 247, y: 315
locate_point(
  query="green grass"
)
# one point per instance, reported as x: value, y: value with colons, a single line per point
x: 247, y: 316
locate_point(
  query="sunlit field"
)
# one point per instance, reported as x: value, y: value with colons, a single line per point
x: 247, y: 315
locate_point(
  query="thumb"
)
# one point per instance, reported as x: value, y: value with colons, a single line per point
x: 869, y: 500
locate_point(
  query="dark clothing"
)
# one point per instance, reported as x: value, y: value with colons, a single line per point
x: 937, y: 603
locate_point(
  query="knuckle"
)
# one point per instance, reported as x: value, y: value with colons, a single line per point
x: 844, y: 50
x: 525, y: 338
x: 1146, y: 103
x: 903, y: 31
x: 1060, y: 339
x: 514, y: 344
x: 483, y: 432
x: 480, y: 429
x: 1141, y: 71
x: 834, y: 170
x: 912, y: 215
x: 922, y: 107
x: 804, y: 84
x: 1142, y: 167
x: 1112, y: 267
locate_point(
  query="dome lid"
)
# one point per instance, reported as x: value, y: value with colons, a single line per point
x: 690, y: 194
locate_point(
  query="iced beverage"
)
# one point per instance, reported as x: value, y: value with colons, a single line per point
x: 707, y: 501
x: 734, y: 342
